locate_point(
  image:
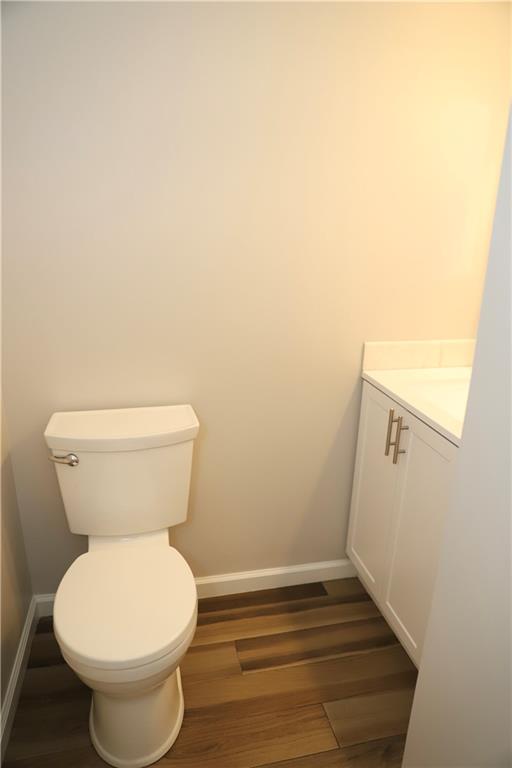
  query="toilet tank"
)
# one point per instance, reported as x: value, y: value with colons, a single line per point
x: 133, y: 468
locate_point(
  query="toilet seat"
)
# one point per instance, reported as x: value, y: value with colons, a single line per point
x: 107, y: 679
x: 125, y: 607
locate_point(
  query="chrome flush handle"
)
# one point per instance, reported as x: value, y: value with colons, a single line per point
x: 71, y: 459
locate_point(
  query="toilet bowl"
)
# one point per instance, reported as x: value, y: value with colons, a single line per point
x: 125, y: 612
x: 124, y: 617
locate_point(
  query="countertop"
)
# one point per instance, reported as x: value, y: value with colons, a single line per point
x: 437, y: 396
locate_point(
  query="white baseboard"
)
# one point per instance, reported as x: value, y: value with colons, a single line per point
x: 249, y: 581
x: 45, y: 604
x: 269, y: 578
x: 16, y: 679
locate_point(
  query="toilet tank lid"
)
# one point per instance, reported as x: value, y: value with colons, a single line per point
x: 121, y: 429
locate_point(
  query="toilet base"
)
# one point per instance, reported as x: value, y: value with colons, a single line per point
x: 135, y: 731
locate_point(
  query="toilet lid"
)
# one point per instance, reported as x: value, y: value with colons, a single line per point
x: 124, y: 607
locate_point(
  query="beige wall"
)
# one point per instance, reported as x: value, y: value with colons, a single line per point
x: 16, y: 587
x: 217, y: 204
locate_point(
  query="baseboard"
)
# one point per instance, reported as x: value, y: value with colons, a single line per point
x: 249, y: 581
x: 18, y: 669
x: 269, y: 578
x: 45, y: 604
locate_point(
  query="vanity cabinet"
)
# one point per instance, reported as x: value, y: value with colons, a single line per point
x: 401, y: 490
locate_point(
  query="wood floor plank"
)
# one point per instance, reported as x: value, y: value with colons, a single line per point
x: 52, y: 713
x: 79, y: 757
x: 210, y: 739
x: 49, y: 727
x: 299, y: 647
x: 46, y: 684
x: 261, y: 597
x: 274, y: 609
x: 349, y: 588
x: 207, y: 662
x: 284, y: 617
x: 45, y: 624
x: 384, y: 753
x: 279, y: 606
x: 274, y: 689
x: 370, y: 717
x: 45, y: 651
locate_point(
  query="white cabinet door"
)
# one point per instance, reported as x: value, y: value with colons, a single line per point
x: 422, y: 495
x: 375, y: 478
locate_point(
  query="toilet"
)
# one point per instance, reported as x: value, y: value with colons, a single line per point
x: 126, y: 611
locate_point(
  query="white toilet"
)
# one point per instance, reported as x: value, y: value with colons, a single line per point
x: 126, y: 611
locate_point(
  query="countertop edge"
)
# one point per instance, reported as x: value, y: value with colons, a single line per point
x: 367, y: 376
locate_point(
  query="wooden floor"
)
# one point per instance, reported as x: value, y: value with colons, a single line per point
x: 297, y: 677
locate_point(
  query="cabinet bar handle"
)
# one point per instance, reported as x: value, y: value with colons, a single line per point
x: 399, y: 430
x: 391, y: 421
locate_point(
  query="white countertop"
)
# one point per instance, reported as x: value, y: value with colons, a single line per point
x: 437, y: 396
